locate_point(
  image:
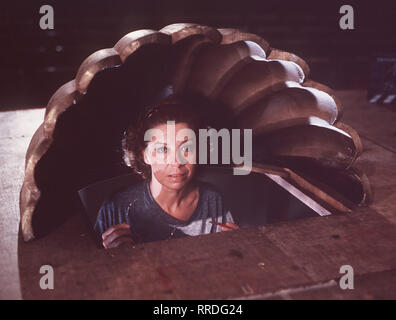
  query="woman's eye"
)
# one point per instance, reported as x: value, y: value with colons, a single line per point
x: 187, y: 148
x: 161, y: 149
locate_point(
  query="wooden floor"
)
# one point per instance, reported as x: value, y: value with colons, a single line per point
x: 16, y: 130
x: 294, y: 260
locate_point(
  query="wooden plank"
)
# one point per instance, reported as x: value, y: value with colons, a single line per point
x: 318, y: 193
x: 376, y: 285
x: 364, y: 239
x: 216, y: 266
x: 374, y: 122
x: 380, y: 166
x: 308, y: 201
x: 240, y: 264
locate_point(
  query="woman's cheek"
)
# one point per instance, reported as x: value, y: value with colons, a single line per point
x: 159, y: 175
x: 158, y: 169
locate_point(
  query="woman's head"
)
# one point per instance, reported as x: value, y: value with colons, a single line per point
x: 162, y: 143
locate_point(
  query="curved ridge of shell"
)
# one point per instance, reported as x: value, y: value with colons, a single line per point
x: 285, y: 101
x: 310, y: 137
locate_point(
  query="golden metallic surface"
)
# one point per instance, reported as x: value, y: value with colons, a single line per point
x: 310, y: 138
x: 313, y: 84
x: 129, y: 43
x: 257, y: 80
x: 180, y: 31
x: 233, y: 35
x: 290, y: 102
x: 217, y: 65
x: 277, y: 54
x: 190, y: 48
x: 62, y: 99
x: 30, y: 193
x: 357, y: 142
x: 97, y: 61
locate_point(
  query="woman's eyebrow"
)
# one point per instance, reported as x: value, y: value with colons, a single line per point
x: 185, y: 141
x: 165, y: 143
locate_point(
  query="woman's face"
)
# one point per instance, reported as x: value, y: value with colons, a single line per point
x: 171, y: 153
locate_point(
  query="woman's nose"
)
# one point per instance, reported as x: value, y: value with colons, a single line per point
x: 177, y: 159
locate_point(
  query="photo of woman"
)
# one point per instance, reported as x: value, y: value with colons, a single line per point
x: 169, y: 202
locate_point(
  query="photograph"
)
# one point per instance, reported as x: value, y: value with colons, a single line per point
x: 199, y: 156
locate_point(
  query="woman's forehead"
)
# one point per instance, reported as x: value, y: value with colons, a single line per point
x: 169, y: 125
x: 168, y: 133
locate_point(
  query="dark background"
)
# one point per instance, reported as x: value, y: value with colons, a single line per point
x: 35, y: 62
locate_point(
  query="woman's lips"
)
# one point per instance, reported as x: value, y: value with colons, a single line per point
x: 177, y: 176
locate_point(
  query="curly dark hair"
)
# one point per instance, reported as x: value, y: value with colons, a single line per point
x: 173, y: 108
